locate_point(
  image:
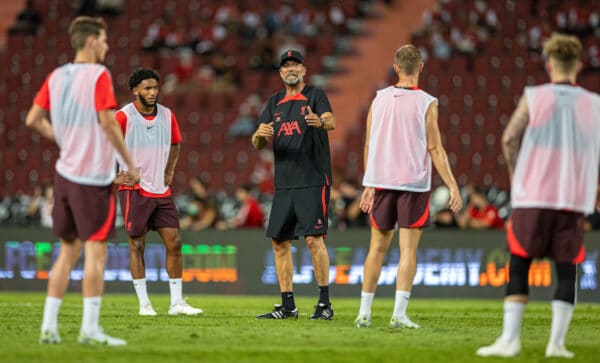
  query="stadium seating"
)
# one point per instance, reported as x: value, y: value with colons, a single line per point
x: 477, y: 93
x: 204, y: 117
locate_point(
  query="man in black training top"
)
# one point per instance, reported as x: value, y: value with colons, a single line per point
x: 298, y: 119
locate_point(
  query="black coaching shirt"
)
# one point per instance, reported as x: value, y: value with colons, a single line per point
x: 302, y: 157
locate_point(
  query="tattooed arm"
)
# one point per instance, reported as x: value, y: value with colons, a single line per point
x: 511, y: 139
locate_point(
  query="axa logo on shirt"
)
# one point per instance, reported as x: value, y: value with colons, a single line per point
x: 288, y: 128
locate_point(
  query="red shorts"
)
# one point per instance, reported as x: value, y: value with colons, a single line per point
x: 141, y: 214
x: 408, y: 209
x: 81, y: 211
x: 536, y: 233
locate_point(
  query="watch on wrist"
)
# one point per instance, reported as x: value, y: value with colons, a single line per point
x: 323, y: 122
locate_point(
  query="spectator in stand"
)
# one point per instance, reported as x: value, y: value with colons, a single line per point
x: 27, y: 21
x: 480, y: 213
x: 441, y: 48
x: 337, y: 17
x: 351, y: 214
x: 155, y: 35
x: 441, y: 214
x: 263, y: 172
x: 84, y: 7
x: 250, y: 23
x: 250, y: 214
x: 244, y: 123
x: 227, y: 78
x: 182, y: 79
x: 110, y: 7
x: 40, y: 207
x: 177, y: 36
x: 592, y: 221
x: 202, y: 212
x: 593, y: 59
x: 248, y: 113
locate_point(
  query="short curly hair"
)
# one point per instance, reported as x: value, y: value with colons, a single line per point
x: 141, y: 74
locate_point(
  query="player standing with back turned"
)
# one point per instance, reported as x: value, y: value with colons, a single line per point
x: 402, y: 139
x: 554, y: 176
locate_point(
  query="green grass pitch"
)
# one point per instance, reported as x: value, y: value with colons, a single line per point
x: 228, y: 332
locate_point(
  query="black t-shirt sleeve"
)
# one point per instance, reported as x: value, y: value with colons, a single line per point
x: 321, y: 102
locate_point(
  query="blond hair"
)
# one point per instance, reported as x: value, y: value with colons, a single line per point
x: 82, y: 27
x: 408, y: 58
x: 565, y: 50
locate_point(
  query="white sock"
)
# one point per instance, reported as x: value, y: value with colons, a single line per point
x: 51, y: 308
x: 141, y: 291
x: 366, y: 300
x: 91, y: 314
x: 175, y: 288
x: 513, y: 316
x: 401, y: 303
x: 562, y: 312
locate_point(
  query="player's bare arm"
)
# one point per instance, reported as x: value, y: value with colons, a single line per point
x: 326, y: 121
x: 511, y: 138
x: 173, y: 158
x: 260, y: 139
x: 115, y: 136
x: 440, y: 158
x: 368, y: 195
x: 37, y: 120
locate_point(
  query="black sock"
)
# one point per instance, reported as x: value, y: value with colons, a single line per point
x: 324, y: 295
x: 287, y: 300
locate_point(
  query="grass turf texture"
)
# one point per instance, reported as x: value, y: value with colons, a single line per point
x: 228, y: 332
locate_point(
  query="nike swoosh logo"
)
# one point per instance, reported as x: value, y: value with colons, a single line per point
x: 398, y: 95
x: 149, y: 127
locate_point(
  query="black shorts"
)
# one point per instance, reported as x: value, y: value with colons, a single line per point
x: 141, y: 214
x: 536, y: 233
x: 299, y: 212
x: 407, y: 209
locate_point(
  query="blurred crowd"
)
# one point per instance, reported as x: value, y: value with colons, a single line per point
x: 207, y: 48
x: 248, y: 206
x: 454, y: 28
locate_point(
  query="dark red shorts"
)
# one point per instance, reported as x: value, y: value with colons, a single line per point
x: 82, y: 211
x: 536, y: 232
x: 141, y: 214
x: 408, y: 209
